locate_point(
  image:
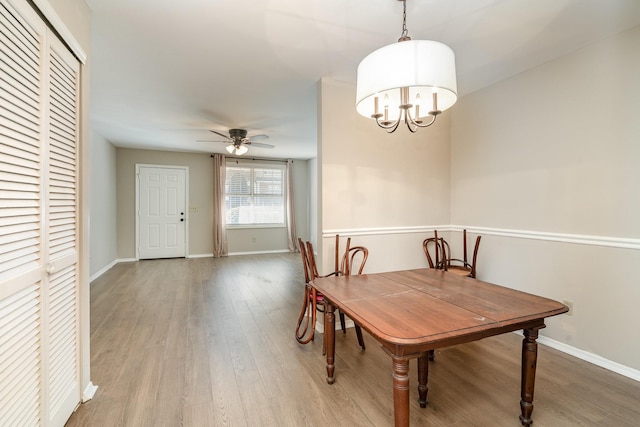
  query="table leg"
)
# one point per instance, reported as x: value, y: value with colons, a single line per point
x: 330, y: 339
x: 529, y: 360
x: 423, y: 378
x: 401, y: 391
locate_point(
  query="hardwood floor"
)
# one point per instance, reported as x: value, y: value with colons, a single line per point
x: 210, y: 342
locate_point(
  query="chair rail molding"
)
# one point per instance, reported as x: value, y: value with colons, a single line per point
x: 350, y: 232
x: 580, y: 239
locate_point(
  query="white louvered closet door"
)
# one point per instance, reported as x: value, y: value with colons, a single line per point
x: 39, y: 312
x: 62, y: 309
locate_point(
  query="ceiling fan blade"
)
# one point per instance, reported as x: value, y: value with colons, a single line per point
x: 258, y: 137
x: 220, y: 134
x: 211, y: 140
x: 260, y: 144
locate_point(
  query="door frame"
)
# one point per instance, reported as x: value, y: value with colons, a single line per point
x: 186, y: 204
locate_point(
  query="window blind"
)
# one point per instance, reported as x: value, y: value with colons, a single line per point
x: 255, y: 195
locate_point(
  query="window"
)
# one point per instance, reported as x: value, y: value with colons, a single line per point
x: 254, y: 195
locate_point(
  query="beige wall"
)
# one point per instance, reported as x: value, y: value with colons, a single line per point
x: 556, y: 150
x: 378, y: 183
x: 200, y: 223
x: 104, y: 250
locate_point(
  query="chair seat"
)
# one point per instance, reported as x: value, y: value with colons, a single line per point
x: 443, y: 259
x: 459, y: 270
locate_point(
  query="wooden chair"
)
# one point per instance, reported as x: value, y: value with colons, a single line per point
x: 305, y: 328
x: 313, y: 300
x: 439, y: 248
x: 353, y: 262
x: 463, y: 267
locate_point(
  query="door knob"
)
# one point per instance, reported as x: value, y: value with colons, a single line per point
x: 181, y: 219
x: 50, y: 269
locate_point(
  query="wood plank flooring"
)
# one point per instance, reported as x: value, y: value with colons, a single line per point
x: 210, y: 342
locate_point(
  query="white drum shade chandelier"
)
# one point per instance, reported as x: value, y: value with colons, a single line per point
x: 411, y: 81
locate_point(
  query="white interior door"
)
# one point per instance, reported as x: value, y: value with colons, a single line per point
x: 162, y: 214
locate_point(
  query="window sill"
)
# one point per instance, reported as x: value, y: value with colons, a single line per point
x: 254, y: 226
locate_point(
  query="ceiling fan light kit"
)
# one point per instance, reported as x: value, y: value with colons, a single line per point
x: 406, y: 81
x: 238, y: 140
x: 238, y: 150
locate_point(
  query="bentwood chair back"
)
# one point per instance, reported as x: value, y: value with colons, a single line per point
x: 305, y: 328
x: 354, y: 258
x: 353, y: 262
x: 436, y: 250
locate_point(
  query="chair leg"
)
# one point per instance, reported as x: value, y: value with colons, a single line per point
x: 359, y: 335
x: 342, y: 323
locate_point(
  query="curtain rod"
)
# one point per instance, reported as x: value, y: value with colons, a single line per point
x: 261, y: 159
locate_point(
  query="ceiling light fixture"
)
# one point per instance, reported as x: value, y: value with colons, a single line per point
x: 396, y: 81
x: 238, y: 150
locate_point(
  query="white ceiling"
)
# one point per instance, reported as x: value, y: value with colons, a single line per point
x: 163, y: 72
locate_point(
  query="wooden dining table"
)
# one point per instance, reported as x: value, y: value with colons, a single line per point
x: 414, y: 311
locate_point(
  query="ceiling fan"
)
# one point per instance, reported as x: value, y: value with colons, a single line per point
x: 238, y: 140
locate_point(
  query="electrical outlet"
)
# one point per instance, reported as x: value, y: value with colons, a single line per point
x: 193, y: 209
x: 570, y: 305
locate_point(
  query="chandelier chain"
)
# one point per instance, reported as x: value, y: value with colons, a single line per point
x: 404, y: 20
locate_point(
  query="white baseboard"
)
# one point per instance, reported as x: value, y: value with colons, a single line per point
x: 108, y: 267
x: 607, y: 364
x: 103, y: 270
x: 591, y: 358
x: 278, y: 251
x: 89, y: 392
x: 200, y: 256
x: 564, y: 348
